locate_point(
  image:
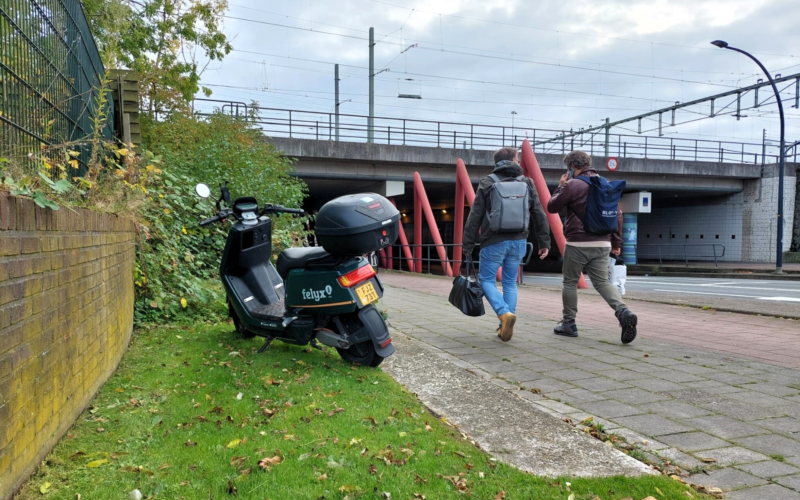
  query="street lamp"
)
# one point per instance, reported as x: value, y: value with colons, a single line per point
x: 781, y: 164
x: 513, y: 114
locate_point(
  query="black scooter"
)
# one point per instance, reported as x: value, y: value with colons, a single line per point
x: 312, y: 295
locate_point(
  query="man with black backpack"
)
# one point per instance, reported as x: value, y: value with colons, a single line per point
x: 504, y: 205
x: 593, y: 230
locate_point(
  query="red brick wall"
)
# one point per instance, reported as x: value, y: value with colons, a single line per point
x: 66, y: 316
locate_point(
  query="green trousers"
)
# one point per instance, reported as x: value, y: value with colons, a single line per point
x: 595, y: 260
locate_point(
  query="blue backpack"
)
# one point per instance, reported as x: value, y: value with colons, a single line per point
x: 602, y: 206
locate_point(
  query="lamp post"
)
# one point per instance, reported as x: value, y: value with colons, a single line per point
x: 782, y: 157
x: 513, y: 114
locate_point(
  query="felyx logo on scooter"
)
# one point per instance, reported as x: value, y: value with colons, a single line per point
x: 312, y: 295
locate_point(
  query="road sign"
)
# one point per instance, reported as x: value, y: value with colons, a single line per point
x: 612, y: 164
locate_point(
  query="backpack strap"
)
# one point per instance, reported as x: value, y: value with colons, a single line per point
x: 494, y: 177
x: 584, y: 178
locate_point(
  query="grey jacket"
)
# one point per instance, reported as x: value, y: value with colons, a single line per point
x: 478, y: 218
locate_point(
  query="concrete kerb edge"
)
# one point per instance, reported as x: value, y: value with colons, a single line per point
x: 514, y: 390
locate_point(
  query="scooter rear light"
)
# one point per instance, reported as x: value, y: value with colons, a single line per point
x: 355, y: 277
x: 387, y: 342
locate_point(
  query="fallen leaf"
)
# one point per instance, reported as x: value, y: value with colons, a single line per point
x: 334, y: 412
x: 403, y: 434
x: 348, y: 489
x: 190, y: 443
x: 500, y: 496
x: 323, y: 477
x: 288, y: 437
x: 45, y: 488
x: 117, y: 454
x: 234, y: 443
x: 77, y: 454
x: 535, y: 390
x: 708, y: 460
x: 96, y: 463
x: 237, y: 462
x: 266, y: 463
x: 232, y: 490
x: 373, y: 470
x: 571, y: 496
x: 659, y: 492
x: 163, y: 466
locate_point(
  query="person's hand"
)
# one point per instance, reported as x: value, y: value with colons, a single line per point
x: 564, y: 179
x: 615, y: 251
x: 543, y: 253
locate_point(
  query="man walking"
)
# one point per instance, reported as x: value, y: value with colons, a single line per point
x: 505, y: 204
x: 586, y: 250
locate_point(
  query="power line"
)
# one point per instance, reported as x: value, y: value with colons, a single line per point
x: 514, y: 59
x: 550, y: 30
x: 484, y: 50
x: 452, y: 78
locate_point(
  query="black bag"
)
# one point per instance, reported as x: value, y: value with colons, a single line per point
x: 467, y: 294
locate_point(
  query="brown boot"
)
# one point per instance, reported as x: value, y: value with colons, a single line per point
x: 507, y: 321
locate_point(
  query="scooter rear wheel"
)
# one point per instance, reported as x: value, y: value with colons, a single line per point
x: 362, y: 353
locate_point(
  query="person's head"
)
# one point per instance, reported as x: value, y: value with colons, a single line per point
x: 506, y: 154
x: 577, y: 161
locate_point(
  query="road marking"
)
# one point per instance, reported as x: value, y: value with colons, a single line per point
x: 707, y: 293
x: 790, y: 290
x: 781, y: 299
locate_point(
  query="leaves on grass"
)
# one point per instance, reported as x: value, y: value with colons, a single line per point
x: 266, y: 463
x: 323, y: 477
x: 45, y: 488
x: 237, y: 462
x: 372, y: 469
x: 500, y: 496
x: 371, y: 420
x: 232, y: 490
x: 334, y: 412
x: 77, y: 454
x: 234, y: 443
x: 459, y: 483
x: 708, y: 460
x: 163, y: 466
x: 217, y: 409
x: 190, y: 443
x: 96, y: 463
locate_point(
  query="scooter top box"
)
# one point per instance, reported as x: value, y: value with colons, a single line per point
x: 357, y: 224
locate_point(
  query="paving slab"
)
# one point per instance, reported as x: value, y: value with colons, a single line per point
x: 726, y: 479
x: 768, y: 492
x: 694, y: 441
x: 769, y: 469
x: 732, y: 455
x: 730, y: 394
x: 792, y: 482
x: 510, y: 428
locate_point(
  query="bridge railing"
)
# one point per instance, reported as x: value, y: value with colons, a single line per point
x: 277, y: 122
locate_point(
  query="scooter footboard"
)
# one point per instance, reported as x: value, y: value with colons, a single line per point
x: 378, y: 330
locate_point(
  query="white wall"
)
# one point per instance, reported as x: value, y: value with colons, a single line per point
x: 705, y: 221
x: 760, y: 218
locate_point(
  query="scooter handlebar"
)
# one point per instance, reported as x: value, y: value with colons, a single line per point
x: 208, y: 221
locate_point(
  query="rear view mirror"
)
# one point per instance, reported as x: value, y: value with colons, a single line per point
x: 202, y: 190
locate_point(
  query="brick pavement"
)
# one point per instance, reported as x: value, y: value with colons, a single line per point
x: 695, y: 384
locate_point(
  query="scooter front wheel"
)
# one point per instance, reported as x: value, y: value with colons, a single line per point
x: 362, y: 353
x: 237, y: 324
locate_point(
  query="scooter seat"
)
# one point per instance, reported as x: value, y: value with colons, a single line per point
x: 298, y: 258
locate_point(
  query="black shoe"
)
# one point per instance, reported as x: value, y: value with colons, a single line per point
x: 567, y: 328
x: 627, y: 320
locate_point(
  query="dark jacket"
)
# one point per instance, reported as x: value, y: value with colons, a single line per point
x: 478, y: 214
x: 574, y: 195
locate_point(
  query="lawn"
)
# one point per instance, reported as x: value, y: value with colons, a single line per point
x: 195, y: 413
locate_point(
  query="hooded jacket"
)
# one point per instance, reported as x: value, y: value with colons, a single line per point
x: 478, y: 218
x: 574, y: 196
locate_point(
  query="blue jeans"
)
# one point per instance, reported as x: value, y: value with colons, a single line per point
x: 507, y: 254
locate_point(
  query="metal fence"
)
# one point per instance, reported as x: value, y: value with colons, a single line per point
x: 50, y: 73
x: 678, y: 252
x: 404, y: 131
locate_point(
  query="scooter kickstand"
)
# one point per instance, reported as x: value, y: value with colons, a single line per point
x: 264, y: 347
x: 315, y: 345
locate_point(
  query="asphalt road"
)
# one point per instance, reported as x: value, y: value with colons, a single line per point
x: 786, y: 292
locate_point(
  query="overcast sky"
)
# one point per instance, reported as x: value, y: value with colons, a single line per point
x: 556, y: 63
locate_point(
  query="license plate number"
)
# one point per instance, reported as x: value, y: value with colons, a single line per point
x: 366, y: 293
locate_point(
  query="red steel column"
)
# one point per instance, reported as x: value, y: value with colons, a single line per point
x: 464, y: 190
x: 532, y: 170
x: 421, y: 203
x: 404, y: 244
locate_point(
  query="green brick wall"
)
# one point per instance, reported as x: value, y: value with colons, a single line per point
x: 66, y: 316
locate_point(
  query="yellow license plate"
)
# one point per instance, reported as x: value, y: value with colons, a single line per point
x: 366, y: 293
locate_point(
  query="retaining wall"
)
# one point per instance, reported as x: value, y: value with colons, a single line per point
x: 66, y: 316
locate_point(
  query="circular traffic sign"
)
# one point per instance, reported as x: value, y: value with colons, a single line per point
x: 612, y: 164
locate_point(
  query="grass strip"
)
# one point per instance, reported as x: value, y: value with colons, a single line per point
x: 194, y: 413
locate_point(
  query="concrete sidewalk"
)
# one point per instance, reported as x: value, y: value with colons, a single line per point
x: 701, y: 389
